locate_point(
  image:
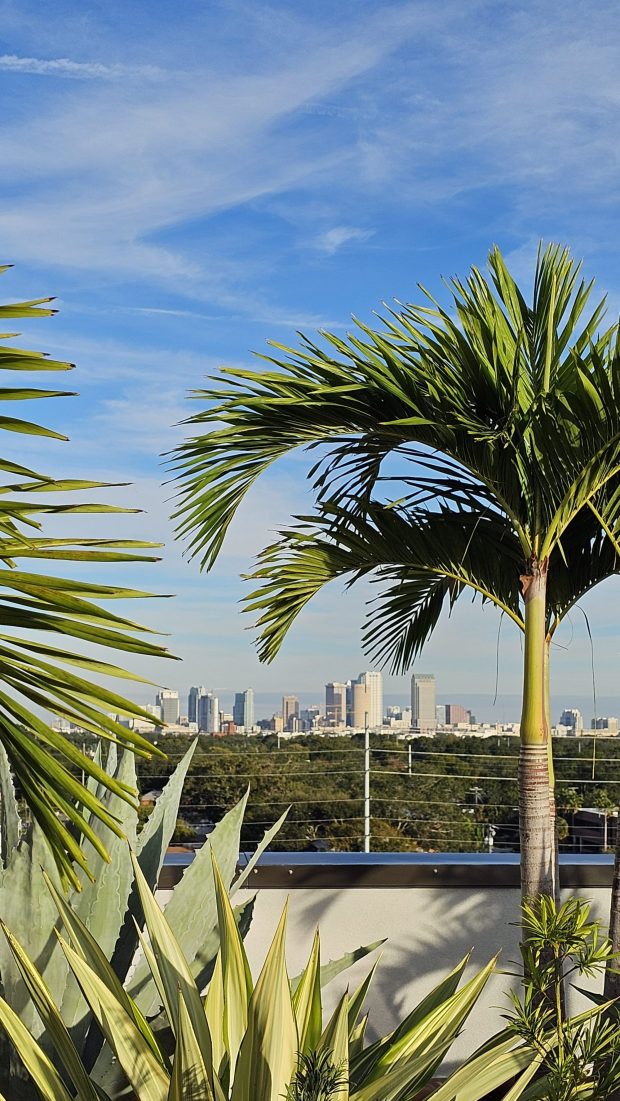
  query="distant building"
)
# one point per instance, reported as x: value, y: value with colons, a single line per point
x: 243, y: 709
x: 168, y: 701
x: 608, y: 723
x: 290, y: 711
x: 423, y: 719
x: 153, y: 709
x: 277, y: 724
x: 208, y: 714
x: 192, y: 703
x: 572, y: 719
x: 456, y: 713
x: 367, y: 701
x: 440, y: 714
x: 335, y: 703
x: 309, y: 718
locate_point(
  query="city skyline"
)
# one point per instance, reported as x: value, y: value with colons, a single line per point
x: 480, y: 707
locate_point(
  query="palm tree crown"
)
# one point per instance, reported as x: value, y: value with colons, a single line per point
x: 458, y: 449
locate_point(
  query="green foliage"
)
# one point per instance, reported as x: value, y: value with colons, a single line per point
x: 321, y: 779
x: 499, y: 420
x: 248, y: 1040
x: 579, y: 1056
x: 316, y: 1078
x: 45, y: 618
x: 101, y: 917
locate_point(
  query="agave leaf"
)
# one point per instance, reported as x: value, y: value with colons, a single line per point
x: 356, y: 1001
x: 150, y: 847
x: 334, y: 968
x: 52, y: 1021
x: 269, y: 1050
x: 236, y: 975
x: 101, y: 905
x: 204, y: 962
x: 524, y: 1078
x: 144, y: 1072
x: 21, y: 893
x: 443, y: 1023
x: 363, y: 1066
x: 486, y: 1072
x: 307, y: 1001
x: 214, y: 1011
x: 176, y: 979
x: 335, y: 1039
x: 192, y: 910
x: 404, y: 1079
x: 266, y: 840
x: 190, y: 1076
x: 9, y: 814
x: 356, y: 1038
x: 83, y: 942
x: 41, y: 1069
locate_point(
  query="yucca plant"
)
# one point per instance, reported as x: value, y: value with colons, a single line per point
x: 45, y: 618
x: 473, y: 448
x: 246, y: 1040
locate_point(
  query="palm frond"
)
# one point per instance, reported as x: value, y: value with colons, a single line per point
x: 420, y: 561
x: 39, y: 676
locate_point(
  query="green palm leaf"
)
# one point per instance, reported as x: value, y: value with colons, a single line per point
x: 44, y: 621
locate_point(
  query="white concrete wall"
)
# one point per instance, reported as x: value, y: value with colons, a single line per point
x: 428, y: 931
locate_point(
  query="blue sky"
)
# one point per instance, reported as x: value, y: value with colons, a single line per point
x: 192, y: 179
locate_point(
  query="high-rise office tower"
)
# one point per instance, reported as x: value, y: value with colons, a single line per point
x: 367, y: 700
x: 359, y: 705
x: 290, y: 711
x: 572, y: 718
x: 605, y: 722
x: 335, y: 703
x: 423, y: 716
x: 192, y: 703
x: 309, y: 718
x: 170, y: 707
x: 243, y: 709
x: 208, y: 714
x: 456, y: 713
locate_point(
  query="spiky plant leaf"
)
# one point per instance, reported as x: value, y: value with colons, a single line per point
x: 45, y: 619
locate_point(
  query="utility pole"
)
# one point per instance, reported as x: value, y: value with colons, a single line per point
x: 366, y: 785
x: 409, y: 759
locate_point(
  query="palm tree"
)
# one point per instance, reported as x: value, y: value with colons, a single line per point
x: 474, y: 450
x: 42, y: 669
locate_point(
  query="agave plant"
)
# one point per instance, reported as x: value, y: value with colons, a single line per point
x: 108, y: 908
x: 245, y: 1040
x: 108, y: 905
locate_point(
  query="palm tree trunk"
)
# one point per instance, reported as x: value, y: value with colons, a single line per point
x: 536, y: 825
x: 552, y: 797
x: 612, y: 980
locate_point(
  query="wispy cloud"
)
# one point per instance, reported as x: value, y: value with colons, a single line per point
x: 74, y: 70
x: 333, y: 239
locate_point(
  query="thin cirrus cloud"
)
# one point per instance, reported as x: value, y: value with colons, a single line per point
x: 74, y: 70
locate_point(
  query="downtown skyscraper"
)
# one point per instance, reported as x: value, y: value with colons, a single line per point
x: 423, y: 714
x: 243, y: 709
